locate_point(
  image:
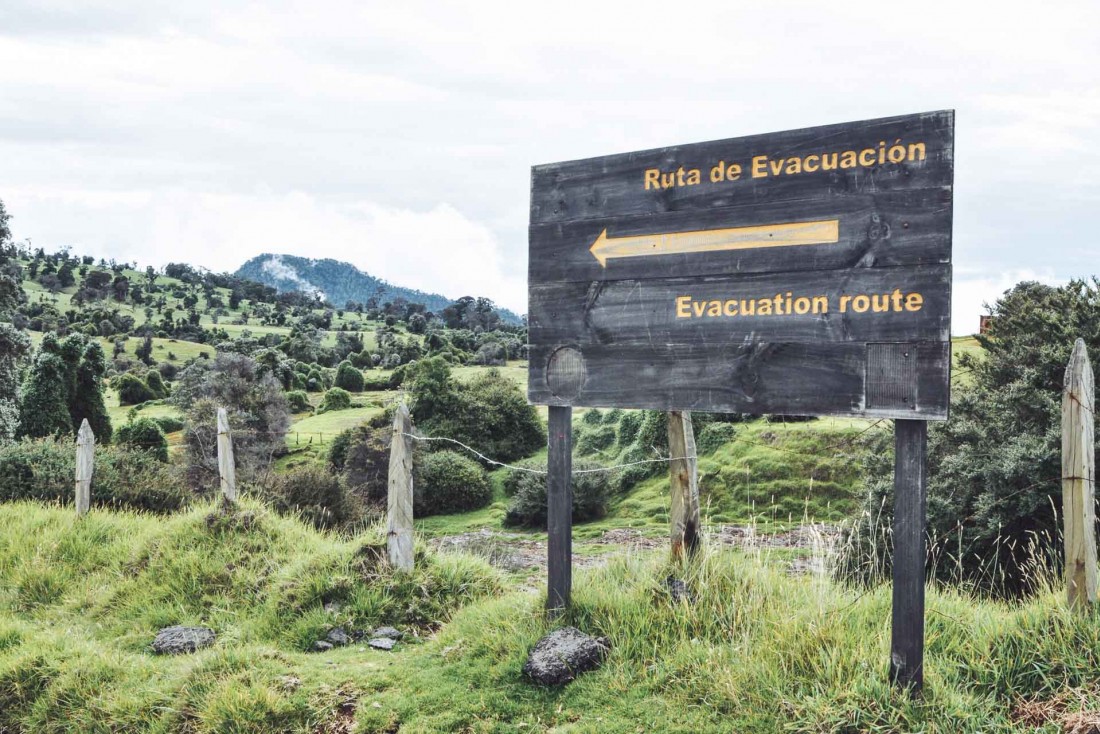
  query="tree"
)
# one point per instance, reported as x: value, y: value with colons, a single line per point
x: 348, y: 378
x: 994, y: 482
x: 14, y: 347
x: 146, y: 435
x: 132, y: 390
x: 87, y: 400
x: 145, y: 351
x: 43, y: 411
x: 258, y: 415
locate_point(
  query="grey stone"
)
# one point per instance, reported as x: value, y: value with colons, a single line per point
x: 322, y: 646
x: 337, y: 636
x: 178, y: 639
x: 562, y: 655
x: 388, y: 632
x: 678, y: 590
x: 382, y: 643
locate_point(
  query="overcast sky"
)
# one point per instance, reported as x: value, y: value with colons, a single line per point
x: 399, y: 136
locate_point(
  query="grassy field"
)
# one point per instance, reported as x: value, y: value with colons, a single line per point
x: 758, y: 651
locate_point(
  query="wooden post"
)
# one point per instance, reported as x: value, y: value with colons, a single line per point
x: 85, y: 463
x: 399, y: 502
x: 910, y: 489
x: 1079, y: 479
x: 559, y: 510
x: 226, y: 469
x: 684, y: 482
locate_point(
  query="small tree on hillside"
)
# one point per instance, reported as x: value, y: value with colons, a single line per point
x: 348, y: 378
x: 44, y: 411
x: 88, y: 396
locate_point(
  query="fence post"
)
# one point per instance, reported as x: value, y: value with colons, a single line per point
x: 226, y: 469
x: 399, y: 503
x: 559, y: 510
x: 1078, y: 479
x: 684, y: 481
x: 85, y: 462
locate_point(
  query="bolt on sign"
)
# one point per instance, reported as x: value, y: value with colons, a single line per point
x: 800, y: 272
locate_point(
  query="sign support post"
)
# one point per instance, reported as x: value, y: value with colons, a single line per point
x: 559, y: 509
x: 910, y: 493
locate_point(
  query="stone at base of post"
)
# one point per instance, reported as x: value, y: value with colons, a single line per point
x: 559, y: 510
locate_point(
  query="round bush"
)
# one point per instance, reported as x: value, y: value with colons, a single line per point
x: 132, y: 390
x: 169, y: 423
x: 349, y: 378
x: 592, y: 417
x: 595, y: 438
x: 298, y: 401
x: 335, y: 399
x: 446, y: 482
x: 144, y: 434
x: 320, y: 497
x: 629, y: 425
x: 528, y: 505
x: 714, y: 436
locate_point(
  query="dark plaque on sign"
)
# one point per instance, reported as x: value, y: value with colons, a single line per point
x: 801, y: 272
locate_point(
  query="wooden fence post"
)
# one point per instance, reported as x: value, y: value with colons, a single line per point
x: 399, y: 503
x: 684, y: 482
x: 85, y: 463
x: 226, y: 470
x: 1078, y: 479
x: 559, y: 509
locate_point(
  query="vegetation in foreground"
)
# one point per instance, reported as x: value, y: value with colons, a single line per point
x: 757, y: 651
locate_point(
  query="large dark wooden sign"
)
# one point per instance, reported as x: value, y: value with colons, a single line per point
x: 802, y: 272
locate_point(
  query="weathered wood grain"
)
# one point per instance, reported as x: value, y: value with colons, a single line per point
x: 684, y: 524
x: 399, y: 500
x: 85, y: 465
x: 597, y: 187
x: 1079, y: 479
x: 635, y: 312
x: 880, y: 229
x: 227, y: 470
x: 559, y: 509
x: 910, y: 490
x: 760, y: 377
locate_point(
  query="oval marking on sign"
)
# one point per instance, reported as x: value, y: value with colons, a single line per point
x: 566, y: 373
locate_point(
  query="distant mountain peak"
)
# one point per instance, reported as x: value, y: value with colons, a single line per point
x: 339, y: 282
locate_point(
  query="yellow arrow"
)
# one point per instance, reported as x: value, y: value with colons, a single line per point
x: 823, y: 232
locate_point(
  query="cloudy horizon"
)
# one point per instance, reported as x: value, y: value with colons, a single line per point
x: 400, y: 138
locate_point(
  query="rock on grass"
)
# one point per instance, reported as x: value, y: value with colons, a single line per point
x: 562, y: 655
x: 178, y: 639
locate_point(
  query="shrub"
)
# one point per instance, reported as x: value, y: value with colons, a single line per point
x: 364, y: 461
x: 629, y: 425
x: 592, y: 417
x: 298, y: 401
x: 169, y: 423
x: 335, y: 399
x: 156, y: 384
x: 445, y: 482
x: 132, y: 390
x: 714, y: 436
x: 594, y: 439
x: 613, y: 416
x: 376, y: 381
x: 489, y: 412
x: 319, y: 496
x: 43, y: 470
x: 528, y: 505
x: 144, y: 435
x: 348, y: 378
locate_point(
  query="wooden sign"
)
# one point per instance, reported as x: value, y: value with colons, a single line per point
x: 801, y: 272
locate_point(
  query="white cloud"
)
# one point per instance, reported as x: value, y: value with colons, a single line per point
x: 974, y: 292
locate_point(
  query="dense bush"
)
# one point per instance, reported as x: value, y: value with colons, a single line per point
x: 144, y: 434
x: 592, y: 417
x: 994, y: 489
x: 320, y: 497
x: 156, y: 385
x: 132, y: 390
x: 629, y: 425
x: 714, y: 436
x: 362, y: 455
x: 527, y: 507
x: 169, y: 423
x: 348, y: 378
x: 376, y: 381
x: 336, y: 398
x: 489, y: 412
x: 298, y: 400
x: 595, y: 438
x: 445, y: 482
x: 43, y: 470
